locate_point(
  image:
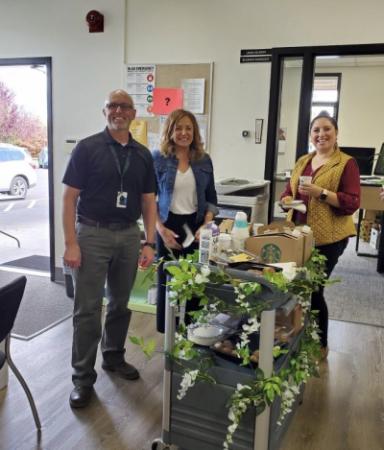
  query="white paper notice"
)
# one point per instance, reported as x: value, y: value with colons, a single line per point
x: 194, y: 94
x: 140, y: 82
x: 203, y: 128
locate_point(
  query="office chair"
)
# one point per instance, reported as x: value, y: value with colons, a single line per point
x: 10, y: 299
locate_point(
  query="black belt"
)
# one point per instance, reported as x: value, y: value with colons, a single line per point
x: 114, y: 226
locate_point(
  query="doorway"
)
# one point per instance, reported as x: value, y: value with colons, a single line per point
x: 361, y: 97
x: 27, y: 215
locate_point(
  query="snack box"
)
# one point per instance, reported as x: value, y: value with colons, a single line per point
x: 277, y: 242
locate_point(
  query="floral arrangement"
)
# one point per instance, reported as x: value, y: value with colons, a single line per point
x: 189, y: 280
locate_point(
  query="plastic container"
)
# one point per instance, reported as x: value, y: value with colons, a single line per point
x: 225, y: 241
x: 240, y: 231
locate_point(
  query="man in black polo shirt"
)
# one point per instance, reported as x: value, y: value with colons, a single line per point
x: 109, y: 184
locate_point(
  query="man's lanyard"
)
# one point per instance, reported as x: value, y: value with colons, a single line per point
x: 118, y: 165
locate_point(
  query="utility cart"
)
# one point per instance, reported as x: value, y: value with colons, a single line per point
x: 199, y: 421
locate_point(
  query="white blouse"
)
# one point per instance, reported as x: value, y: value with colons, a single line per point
x: 184, y: 198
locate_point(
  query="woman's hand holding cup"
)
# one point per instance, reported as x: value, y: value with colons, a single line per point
x: 305, y: 179
x: 304, y: 183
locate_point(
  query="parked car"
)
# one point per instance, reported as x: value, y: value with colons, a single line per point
x: 17, y: 172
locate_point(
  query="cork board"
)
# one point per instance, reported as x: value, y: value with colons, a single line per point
x: 171, y: 76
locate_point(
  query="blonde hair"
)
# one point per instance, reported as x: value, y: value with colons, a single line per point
x: 167, y: 146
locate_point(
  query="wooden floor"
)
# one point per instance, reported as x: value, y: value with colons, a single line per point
x: 343, y: 410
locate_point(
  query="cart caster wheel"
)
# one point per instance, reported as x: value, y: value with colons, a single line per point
x: 158, y: 444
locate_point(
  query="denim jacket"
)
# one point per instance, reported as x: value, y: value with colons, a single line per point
x: 166, y: 169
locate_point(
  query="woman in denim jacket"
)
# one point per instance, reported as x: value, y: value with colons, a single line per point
x: 186, y: 194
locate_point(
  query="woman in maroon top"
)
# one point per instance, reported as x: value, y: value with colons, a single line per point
x: 344, y: 202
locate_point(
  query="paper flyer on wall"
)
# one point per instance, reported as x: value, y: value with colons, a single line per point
x: 166, y: 100
x: 202, y: 121
x: 140, y: 82
x: 194, y: 94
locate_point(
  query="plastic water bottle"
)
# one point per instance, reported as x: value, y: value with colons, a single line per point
x: 204, y: 245
x: 240, y: 231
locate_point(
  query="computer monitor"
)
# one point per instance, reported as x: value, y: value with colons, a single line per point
x: 364, y: 157
x: 379, y: 167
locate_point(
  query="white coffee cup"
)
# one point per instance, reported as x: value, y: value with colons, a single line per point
x: 305, y: 179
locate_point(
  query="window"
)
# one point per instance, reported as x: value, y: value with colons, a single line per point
x: 4, y: 154
x: 326, y: 94
x: 9, y: 154
x: 17, y: 155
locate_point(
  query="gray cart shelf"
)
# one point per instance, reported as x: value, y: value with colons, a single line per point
x: 199, y: 421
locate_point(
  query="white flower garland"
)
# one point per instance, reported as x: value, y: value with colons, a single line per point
x: 188, y: 381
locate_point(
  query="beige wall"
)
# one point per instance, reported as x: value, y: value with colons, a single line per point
x: 362, y: 107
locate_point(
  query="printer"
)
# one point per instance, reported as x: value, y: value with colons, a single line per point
x: 250, y: 196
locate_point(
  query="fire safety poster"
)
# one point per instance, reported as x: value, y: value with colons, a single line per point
x: 140, y: 83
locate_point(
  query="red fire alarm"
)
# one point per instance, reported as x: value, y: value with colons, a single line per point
x: 95, y: 21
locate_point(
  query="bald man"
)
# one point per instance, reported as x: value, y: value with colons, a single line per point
x: 109, y: 183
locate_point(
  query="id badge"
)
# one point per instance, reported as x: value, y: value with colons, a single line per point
x: 122, y: 199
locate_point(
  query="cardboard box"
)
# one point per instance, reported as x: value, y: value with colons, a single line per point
x: 309, y: 242
x: 277, y: 244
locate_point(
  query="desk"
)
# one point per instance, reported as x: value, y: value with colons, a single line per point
x: 370, y: 200
x: 370, y: 197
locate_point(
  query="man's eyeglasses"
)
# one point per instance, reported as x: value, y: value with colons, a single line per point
x: 122, y: 106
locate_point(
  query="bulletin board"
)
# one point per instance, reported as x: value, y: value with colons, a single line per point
x: 171, y: 76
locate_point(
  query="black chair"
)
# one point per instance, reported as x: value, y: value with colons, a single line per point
x: 10, y: 299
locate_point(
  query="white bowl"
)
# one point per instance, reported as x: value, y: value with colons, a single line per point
x: 206, y: 334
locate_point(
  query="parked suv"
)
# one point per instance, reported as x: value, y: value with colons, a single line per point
x: 17, y: 173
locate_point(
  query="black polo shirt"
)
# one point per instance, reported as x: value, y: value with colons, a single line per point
x: 93, y: 169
